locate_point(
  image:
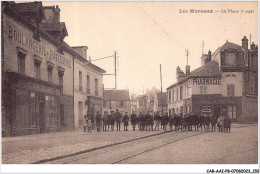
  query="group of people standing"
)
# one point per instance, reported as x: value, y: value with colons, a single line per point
x: 145, y: 122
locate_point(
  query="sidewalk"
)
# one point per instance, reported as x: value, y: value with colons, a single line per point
x: 31, y: 148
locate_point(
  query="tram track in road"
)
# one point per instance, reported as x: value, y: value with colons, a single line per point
x: 162, y: 139
x: 99, y: 155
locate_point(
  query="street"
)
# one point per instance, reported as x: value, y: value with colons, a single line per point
x: 184, y: 147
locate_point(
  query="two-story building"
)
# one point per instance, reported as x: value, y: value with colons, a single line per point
x: 88, y: 88
x: 117, y: 99
x: 225, y: 83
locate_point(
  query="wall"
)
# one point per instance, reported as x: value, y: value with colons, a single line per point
x: 231, y: 78
x: 15, y: 28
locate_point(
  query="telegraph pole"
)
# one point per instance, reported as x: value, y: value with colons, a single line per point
x: 115, y: 71
x: 161, y: 87
x: 187, y: 54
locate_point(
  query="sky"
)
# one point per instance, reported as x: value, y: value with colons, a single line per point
x: 147, y: 34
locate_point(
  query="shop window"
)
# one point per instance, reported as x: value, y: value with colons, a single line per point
x: 203, y: 89
x: 231, y: 90
x: 32, y: 109
x: 22, y: 116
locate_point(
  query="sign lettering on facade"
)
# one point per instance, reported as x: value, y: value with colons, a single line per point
x: 37, y: 47
x: 206, y: 81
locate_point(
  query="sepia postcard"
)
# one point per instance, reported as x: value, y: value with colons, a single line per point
x: 134, y: 82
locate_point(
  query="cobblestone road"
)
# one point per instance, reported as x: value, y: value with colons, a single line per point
x: 28, y: 149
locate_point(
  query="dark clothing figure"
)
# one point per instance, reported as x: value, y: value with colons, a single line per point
x: 164, y: 121
x: 112, y: 121
x: 105, y: 122
x: 151, y: 123
x: 125, y: 121
x: 134, y: 121
x: 171, y: 121
x: 142, y: 118
x: 118, y: 117
x: 157, y: 119
x: 147, y: 120
x: 98, y: 121
x: 213, y: 122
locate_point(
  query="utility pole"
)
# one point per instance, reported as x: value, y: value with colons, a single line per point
x: 161, y: 87
x: 202, y: 47
x: 187, y: 54
x: 115, y: 71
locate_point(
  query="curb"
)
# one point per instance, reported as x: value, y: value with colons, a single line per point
x: 95, y: 148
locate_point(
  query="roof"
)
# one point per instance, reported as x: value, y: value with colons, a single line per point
x: 26, y: 7
x: 55, y: 27
x: 229, y: 45
x: 161, y: 98
x: 91, y: 65
x: 208, y: 70
x: 116, y: 95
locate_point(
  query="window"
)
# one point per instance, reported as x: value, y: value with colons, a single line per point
x: 80, y: 81
x: 230, y: 90
x: 203, y: 89
x: 96, y: 87
x: 21, y: 63
x: 37, y: 67
x: 169, y: 96
x: 177, y: 94
x: 252, y: 85
x: 181, y: 92
x: 88, y: 84
x: 173, y: 95
x: 50, y: 75
x: 121, y: 104
x: 230, y: 59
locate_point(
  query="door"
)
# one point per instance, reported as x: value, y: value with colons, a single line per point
x: 41, y: 116
x: 80, y: 113
x: 232, y: 112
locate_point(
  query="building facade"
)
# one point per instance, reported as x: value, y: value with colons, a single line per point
x: 37, y: 70
x: 88, y: 88
x: 117, y: 99
x: 225, y: 83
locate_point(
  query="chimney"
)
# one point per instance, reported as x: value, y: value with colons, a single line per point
x: 208, y: 59
x: 245, y: 43
x: 56, y: 15
x: 253, y: 46
x: 187, y: 70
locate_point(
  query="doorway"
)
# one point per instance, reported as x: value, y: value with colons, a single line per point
x: 232, y: 112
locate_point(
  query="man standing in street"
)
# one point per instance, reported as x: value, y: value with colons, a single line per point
x: 213, y: 123
x: 112, y: 120
x: 125, y: 120
x: 118, y: 117
x: 105, y: 121
x: 133, y: 120
x: 157, y: 120
x: 98, y: 121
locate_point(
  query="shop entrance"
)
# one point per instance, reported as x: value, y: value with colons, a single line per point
x: 40, y: 111
x: 232, y: 112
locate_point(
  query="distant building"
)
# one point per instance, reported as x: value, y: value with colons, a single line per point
x: 117, y: 99
x: 152, y: 101
x: 225, y: 83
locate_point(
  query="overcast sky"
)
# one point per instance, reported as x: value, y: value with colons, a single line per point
x: 147, y: 34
